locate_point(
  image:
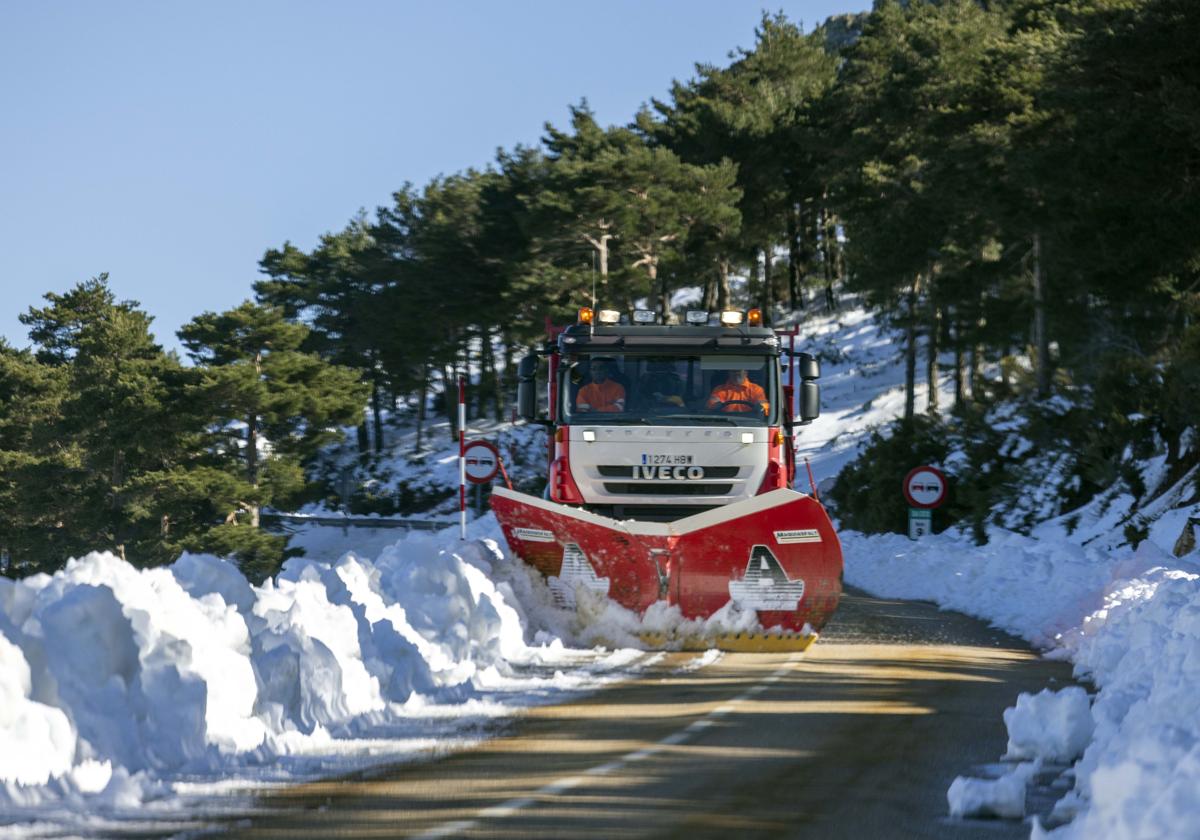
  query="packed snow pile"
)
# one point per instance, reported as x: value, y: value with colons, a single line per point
x: 1003, y: 797
x: 116, y: 682
x: 1130, y: 621
x: 1049, y: 725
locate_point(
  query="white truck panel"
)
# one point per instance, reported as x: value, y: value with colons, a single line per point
x: 607, y: 462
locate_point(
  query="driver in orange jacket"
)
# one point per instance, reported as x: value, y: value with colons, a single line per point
x: 601, y: 394
x: 737, y: 386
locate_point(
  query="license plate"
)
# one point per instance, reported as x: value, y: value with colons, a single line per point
x: 666, y: 460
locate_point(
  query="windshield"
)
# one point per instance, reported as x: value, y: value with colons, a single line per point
x: 670, y: 390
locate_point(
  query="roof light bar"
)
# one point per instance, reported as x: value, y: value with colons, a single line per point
x: 644, y: 316
x: 731, y: 317
x: 608, y: 316
x: 697, y: 316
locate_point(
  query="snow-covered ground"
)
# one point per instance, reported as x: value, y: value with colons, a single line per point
x: 1128, y: 620
x: 136, y: 695
x: 132, y: 696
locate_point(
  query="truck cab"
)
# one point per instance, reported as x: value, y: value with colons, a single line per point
x: 657, y: 422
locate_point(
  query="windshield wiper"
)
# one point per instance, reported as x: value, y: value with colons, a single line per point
x: 608, y: 421
x: 715, y: 419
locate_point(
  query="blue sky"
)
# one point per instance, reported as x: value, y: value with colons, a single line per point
x: 170, y: 144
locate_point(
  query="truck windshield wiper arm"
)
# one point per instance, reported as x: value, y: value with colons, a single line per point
x: 610, y: 421
x: 715, y: 419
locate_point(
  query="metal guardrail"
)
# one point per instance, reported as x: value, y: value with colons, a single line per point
x: 348, y: 522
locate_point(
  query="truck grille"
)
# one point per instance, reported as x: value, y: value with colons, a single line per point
x: 627, y: 472
x: 650, y: 513
x: 667, y: 488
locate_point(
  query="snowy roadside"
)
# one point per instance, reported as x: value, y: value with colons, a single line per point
x: 1130, y: 623
x: 134, y: 696
x: 1128, y: 620
x: 131, y: 695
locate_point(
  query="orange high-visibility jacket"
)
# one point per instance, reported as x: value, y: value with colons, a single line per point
x: 750, y: 392
x: 602, y: 396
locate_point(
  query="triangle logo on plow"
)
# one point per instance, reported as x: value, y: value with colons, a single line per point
x: 766, y: 585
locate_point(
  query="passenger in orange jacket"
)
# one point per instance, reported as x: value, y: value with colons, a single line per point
x: 601, y: 394
x: 737, y: 386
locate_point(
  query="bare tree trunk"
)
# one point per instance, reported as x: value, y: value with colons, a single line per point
x: 931, y: 360
x: 600, y: 244
x: 252, y: 463
x: 114, y: 500
x: 664, y: 293
x: 810, y: 238
x: 252, y: 448
x: 959, y: 373
x: 723, y: 291
x: 839, y: 259
x: 501, y: 371
x: 976, y: 372
x: 1041, y: 340
x: 768, y: 286
x: 450, y: 398
x: 486, y: 370
x: 422, y: 399
x: 377, y: 410
x: 828, y: 234
x: 795, y: 258
x: 710, y: 293
x: 910, y: 352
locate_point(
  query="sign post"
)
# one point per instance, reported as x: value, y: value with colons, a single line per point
x: 924, y: 489
x: 462, y: 458
x: 478, y: 461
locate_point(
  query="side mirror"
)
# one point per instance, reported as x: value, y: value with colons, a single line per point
x: 527, y: 387
x: 810, y: 401
x: 809, y: 366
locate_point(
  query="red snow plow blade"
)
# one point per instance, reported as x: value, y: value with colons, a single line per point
x: 776, y: 554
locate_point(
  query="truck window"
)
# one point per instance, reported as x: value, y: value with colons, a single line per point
x: 670, y: 390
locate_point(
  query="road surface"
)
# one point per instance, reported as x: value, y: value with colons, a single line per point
x: 859, y: 737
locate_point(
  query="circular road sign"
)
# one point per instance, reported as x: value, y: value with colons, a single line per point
x: 483, y: 461
x: 925, y: 487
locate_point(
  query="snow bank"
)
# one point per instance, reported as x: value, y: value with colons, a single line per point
x: 1003, y: 797
x: 1050, y: 725
x: 1129, y: 621
x: 115, y: 681
x: 38, y: 739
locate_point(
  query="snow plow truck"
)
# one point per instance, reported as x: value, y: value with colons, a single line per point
x: 671, y: 467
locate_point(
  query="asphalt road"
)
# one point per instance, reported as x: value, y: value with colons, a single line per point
x: 859, y: 737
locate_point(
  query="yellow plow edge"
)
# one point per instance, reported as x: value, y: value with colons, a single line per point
x: 733, y: 642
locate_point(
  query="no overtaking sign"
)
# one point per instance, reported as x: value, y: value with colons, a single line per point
x: 482, y: 461
x: 924, y: 489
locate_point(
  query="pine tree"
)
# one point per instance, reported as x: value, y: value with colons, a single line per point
x: 274, y: 406
x: 120, y: 415
x: 336, y: 291
x: 753, y: 113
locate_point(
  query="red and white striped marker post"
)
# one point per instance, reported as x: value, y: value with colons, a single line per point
x: 462, y: 458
